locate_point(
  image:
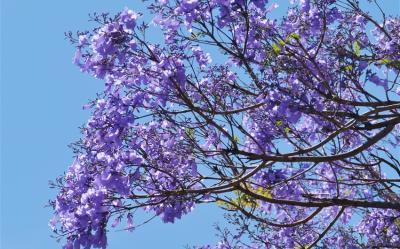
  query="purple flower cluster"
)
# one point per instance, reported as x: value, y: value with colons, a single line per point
x: 381, y: 227
x: 287, y: 125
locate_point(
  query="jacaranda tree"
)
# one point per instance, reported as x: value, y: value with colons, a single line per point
x: 292, y: 125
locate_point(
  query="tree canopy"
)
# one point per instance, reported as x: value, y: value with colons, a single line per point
x: 291, y: 125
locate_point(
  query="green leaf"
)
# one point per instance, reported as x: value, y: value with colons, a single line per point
x: 225, y: 205
x: 236, y: 139
x: 385, y: 61
x: 390, y: 63
x: 348, y: 68
x: 276, y: 48
x: 189, y: 132
x: 357, y: 49
x: 302, y: 247
x: 295, y: 36
x: 264, y: 192
x: 243, y: 200
x: 195, y: 35
x: 397, y: 222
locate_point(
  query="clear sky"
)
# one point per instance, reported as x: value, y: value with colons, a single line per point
x: 42, y: 94
x: 42, y: 98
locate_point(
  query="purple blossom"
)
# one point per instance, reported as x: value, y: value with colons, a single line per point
x: 290, y: 127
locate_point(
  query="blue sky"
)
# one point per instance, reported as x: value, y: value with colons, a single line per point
x: 42, y: 95
x: 42, y: 98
